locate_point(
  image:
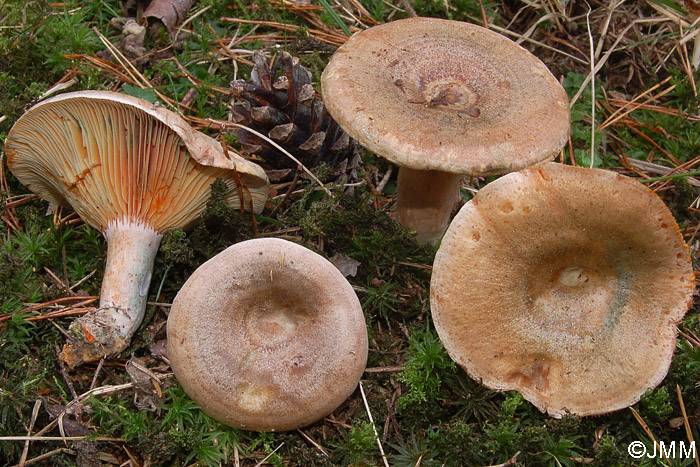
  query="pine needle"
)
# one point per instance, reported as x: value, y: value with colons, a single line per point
x: 336, y: 17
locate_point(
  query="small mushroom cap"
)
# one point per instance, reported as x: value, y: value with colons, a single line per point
x: 565, y: 284
x: 267, y: 336
x: 112, y: 156
x: 434, y: 94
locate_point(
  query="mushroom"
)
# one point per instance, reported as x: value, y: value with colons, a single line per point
x: 441, y: 99
x: 565, y: 284
x: 267, y: 336
x: 133, y: 170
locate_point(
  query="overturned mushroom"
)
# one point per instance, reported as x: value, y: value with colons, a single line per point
x: 441, y: 99
x: 267, y: 336
x: 565, y: 284
x: 133, y: 170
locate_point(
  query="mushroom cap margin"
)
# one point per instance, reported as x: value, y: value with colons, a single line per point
x: 267, y: 336
x: 386, y: 87
x: 565, y: 284
x: 50, y: 149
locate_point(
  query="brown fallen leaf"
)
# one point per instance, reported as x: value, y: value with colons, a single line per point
x: 169, y: 12
x: 147, y: 391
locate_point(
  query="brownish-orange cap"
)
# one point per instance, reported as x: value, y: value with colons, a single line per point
x: 115, y: 157
x: 565, y: 284
x: 435, y: 94
x: 267, y: 336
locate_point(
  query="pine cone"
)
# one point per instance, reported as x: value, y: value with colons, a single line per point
x: 280, y: 102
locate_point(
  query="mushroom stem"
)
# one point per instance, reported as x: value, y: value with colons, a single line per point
x: 425, y: 200
x: 131, y: 251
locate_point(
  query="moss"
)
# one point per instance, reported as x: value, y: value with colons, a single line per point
x: 656, y: 405
x: 176, y: 248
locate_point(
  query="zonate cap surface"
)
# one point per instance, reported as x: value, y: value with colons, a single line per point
x: 435, y: 94
x: 267, y: 336
x: 565, y: 284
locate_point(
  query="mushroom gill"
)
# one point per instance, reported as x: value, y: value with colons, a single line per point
x: 131, y: 170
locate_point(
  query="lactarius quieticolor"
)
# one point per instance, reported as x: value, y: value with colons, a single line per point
x: 442, y: 99
x: 133, y: 170
x: 267, y: 336
x: 565, y: 284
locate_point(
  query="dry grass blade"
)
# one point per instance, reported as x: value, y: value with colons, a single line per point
x: 25, y: 451
x: 655, y: 169
x: 374, y: 428
x: 506, y: 32
x: 269, y: 455
x: 510, y: 462
x: 607, y: 55
x: 592, y: 58
x: 686, y: 60
x: 41, y: 457
x: 285, y: 152
x: 76, y: 401
x: 313, y: 442
x: 61, y: 438
x: 58, y: 87
x: 136, y: 76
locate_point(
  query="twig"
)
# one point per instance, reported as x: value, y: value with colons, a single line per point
x: 97, y: 372
x: 374, y: 428
x: 61, y: 312
x: 64, y: 373
x: 606, y: 25
x: 484, y: 19
x: 690, y: 337
x: 56, y: 280
x: 504, y: 31
x: 287, y: 194
x: 61, y: 330
x: 52, y: 302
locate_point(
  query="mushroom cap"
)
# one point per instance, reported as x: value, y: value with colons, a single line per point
x: 435, y: 94
x: 565, y: 284
x: 113, y: 157
x: 267, y: 336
